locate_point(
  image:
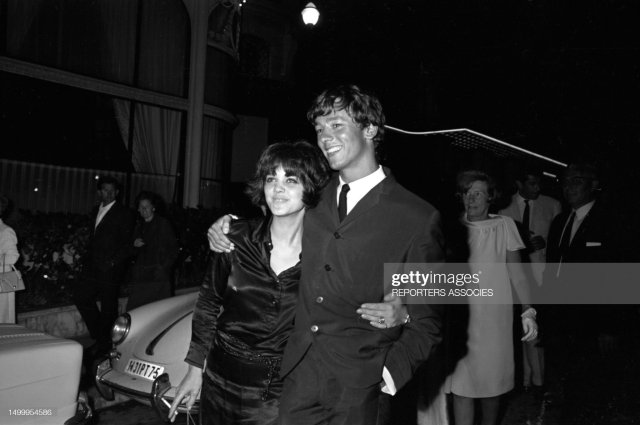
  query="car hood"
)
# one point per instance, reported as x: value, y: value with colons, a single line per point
x: 161, y: 331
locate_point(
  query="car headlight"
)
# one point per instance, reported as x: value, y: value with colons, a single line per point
x: 121, y: 328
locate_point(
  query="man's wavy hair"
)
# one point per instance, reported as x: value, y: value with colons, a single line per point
x: 299, y: 159
x: 363, y: 107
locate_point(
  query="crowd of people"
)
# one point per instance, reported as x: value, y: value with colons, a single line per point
x: 293, y: 324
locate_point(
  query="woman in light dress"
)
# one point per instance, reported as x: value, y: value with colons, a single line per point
x: 486, y: 371
x: 8, y: 257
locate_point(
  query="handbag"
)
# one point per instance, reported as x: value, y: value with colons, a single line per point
x: 10, y: 281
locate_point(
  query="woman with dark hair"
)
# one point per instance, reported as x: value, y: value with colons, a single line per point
x: 245, y: 311
x: 155, y: 248
x: 8, y: 256
x: 486, y: 371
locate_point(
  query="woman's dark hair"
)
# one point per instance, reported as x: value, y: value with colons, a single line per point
x: 299, y: 159
x: 363, y: 108
x: 154, y: 199
x: 466, y: 178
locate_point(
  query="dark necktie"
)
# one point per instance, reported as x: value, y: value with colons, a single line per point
x: 525, y: 219
x: 342, y: 202
x: 566, y: 236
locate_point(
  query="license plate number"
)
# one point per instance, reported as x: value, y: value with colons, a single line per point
x: 146, y: 370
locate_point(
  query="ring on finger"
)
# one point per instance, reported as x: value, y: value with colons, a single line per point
x: 381, y: 320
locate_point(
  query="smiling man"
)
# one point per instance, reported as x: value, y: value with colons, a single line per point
x: 335, y: 363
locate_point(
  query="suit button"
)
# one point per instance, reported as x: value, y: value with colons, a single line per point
x: 336, y: 235
x: 319, y: 300
x: 314, y: 328
x: 327, y: 267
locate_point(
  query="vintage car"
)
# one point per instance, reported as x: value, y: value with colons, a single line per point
x: 147, y: 360
x: 39, y: 379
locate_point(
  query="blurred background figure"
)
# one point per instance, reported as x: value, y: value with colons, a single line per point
x: 583, y: 337
x: 155, y: 248
x: 487, y: 369
x: 535, y: 212
x: 104, y: 265
x: 8, y: 257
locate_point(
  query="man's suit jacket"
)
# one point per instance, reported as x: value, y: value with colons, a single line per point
x: 342, y: 267
x: 109, y: 244
x: 595, y: 241
x: 543, y: 211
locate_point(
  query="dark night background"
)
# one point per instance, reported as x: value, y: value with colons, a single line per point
x: 560, y: 78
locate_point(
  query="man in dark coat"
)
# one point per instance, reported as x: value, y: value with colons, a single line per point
x: 335, y: 363
x: 581, y: 240
x: 104, y: 265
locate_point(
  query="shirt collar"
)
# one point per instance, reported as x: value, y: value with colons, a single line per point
x: 109, y: 205
x: 364, y: 184
x: 262, y: 232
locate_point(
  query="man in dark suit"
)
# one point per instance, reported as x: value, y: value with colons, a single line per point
x: 335, y: 363
x: 579, y: 239
x: 104, y: 265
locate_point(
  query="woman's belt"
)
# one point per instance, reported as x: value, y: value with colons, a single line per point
x: 243, y: 367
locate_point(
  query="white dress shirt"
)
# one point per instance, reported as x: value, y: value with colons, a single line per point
x: 359, y: 188
x: 581, y: 213
x: 102, y: 211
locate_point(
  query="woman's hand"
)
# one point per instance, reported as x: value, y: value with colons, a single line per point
x: 188, y: 390
x: 218, y: 241
x: 138, y: 242
x: 530, y: 329
x: 384, y: 315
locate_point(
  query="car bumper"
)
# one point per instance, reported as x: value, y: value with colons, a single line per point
x: 158, y: 393
x: 39, y: 378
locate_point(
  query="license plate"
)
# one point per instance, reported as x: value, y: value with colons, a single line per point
x: 146, y: 370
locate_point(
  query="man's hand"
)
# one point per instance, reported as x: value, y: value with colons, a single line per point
x: 138, y: 242
x: 384, y: 315
x: 530, y: 329
x: 537, y: 243
x: 188, y: 390
x: 218, y: 242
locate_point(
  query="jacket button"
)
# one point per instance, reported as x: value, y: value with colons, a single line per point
x: 327, y: 267
x: 319, y: 300
x: 314, y: 328
x: 336, y: 235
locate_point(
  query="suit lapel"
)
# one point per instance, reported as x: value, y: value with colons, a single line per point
x: 370, y: 200
x: 106, y: 217
x: 579, y: 239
